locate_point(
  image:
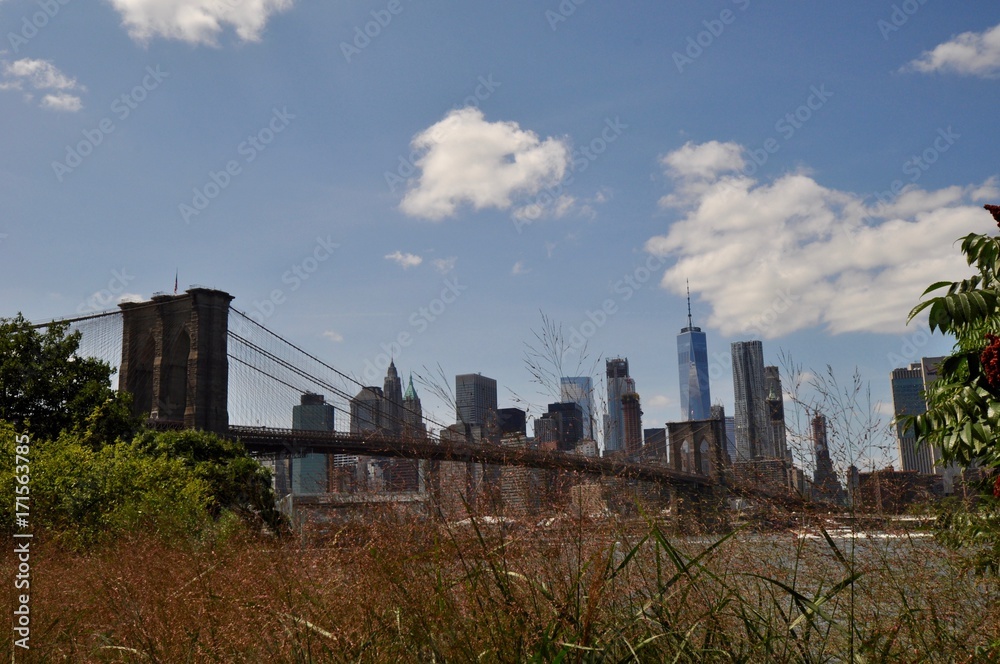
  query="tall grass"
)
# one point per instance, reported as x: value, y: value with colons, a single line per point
x: 392, y: 589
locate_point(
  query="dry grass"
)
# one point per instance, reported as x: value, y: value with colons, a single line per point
x: 388, y: 589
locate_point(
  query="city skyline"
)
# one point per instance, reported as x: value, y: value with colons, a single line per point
x: 374, y: 198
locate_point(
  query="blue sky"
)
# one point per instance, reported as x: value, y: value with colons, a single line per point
x: 463, y: 167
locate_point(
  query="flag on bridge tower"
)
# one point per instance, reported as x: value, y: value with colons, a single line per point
x: 175, y: 282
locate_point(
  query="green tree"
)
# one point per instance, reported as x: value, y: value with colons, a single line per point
x: 236, y: 481
x: 46, y: 388
x: 963, y: 403
x: 172, y: 483
x: 83, y: 496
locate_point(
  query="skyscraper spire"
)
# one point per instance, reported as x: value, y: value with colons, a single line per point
x: 692, y: 368
x: 688, y: 284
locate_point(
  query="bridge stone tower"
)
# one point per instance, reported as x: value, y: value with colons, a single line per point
x: 174, y: 359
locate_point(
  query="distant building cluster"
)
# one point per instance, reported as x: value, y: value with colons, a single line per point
x: 752, y: 443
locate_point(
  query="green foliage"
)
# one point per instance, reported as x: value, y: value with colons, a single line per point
x: 963, y: 408
x: 963, y: 403
x: 173, y: 484
x: 976, y: 533
x: 84, y: 496
x: 46, y: 388
x: 236, y: 481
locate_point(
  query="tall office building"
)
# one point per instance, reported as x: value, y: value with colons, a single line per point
x: 567, y: 419
x: 692, y: 370
x: 632, y: 423
x: 614, y: 426
x: 826, y: 485
x: 413, y: 413
x: 392, y: 408
x: 313, y: 414
x: 397, y: 474
x: 731, y: 437
x: 309, y: 473
x: 654, y: 442
x: 778, y: 444
x: 908, y: 386
x: 718, y: 412
x: 366, y: 410
x: 752, y: 427
x: 580, y: 390
x: 512, y: 421
x: 475, y: 399
x: 546, y: 433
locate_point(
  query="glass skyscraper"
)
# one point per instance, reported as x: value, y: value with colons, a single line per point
x: 908, y: 399
x: 618, y: 385
x: 692, y: 370
x: 309, y: 473
x: 753, y: 435
x: 579, y: 390
x: 475, y: 399
x: 778, y: 448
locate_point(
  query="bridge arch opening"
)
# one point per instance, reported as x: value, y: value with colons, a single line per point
x: 143, y: 375
x: 174, y: 382
x: 703, y: 458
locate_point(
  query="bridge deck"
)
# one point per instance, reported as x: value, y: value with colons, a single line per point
x: 271, y: 440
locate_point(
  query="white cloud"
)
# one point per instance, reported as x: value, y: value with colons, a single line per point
x: 547, y: 206
x: 197, y: 21
x: 659, y: 401
x: 550, y: 208
x: 519, y: 269
x: 29, y: 75
x: 693, y: 167
x: 39, y: 74
x: 773, y: 258
x: 62, y: 101
x: 969, y: 54
x: 445, y: 265
x: 405, y: 260
x: 336, y: 337
x: 703, y: 161
x: 465, y: 159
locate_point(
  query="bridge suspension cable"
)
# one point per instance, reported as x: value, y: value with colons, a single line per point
x: 311, y: 377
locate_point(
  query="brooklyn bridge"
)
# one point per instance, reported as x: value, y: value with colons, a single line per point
x: 193, y: 361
